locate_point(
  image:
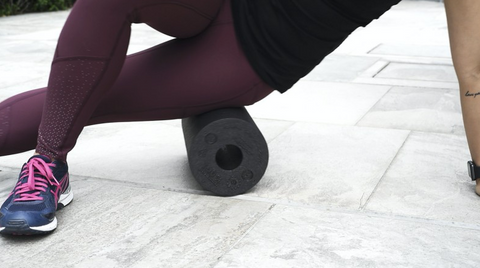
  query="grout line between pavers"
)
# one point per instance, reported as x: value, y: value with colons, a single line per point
x: 140, y: 185
x: 369, y: 52
x: 373, y: 106
x: 364, y: 206
x: 370, y: 214
x: 268, y: 211
x: 281, y: 133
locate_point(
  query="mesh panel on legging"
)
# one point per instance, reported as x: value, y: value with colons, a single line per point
x: 73, y: 82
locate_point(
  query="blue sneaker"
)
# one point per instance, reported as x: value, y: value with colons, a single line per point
x: 42, y: 188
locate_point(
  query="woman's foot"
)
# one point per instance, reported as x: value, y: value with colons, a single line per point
x: 42, y: 188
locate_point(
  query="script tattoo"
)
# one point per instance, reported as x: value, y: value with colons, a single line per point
x: 474, y: 95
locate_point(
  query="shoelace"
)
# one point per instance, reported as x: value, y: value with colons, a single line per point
x: 39, y: 176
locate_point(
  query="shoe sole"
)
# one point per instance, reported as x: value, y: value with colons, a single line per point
x: 24, y: 229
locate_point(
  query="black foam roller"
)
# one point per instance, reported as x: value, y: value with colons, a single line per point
x: 227, y: 153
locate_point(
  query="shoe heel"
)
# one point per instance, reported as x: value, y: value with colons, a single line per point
x: 65, y: 198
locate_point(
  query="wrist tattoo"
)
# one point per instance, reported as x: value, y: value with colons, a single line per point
x: 474, y: 95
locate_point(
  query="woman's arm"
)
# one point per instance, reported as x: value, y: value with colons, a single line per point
x: 464, y: 30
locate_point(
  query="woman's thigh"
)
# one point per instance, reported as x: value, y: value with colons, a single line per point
x: 95, y: 27
x: 184, y: 77
x: 178, y: 18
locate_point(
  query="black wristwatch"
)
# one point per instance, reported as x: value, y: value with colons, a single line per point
x: 473, y: 170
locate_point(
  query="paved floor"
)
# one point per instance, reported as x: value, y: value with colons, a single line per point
x: 367, y: 166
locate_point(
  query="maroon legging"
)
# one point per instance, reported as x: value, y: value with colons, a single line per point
x: 92, y: 81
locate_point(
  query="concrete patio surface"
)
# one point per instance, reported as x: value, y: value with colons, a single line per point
x: 367, y: 165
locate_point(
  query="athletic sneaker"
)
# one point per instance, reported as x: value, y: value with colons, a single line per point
x: 42, y: 188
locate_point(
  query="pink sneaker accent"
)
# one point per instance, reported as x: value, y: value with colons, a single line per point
x: 31, y: 190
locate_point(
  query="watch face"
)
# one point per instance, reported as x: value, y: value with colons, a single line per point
x: 471, y: 169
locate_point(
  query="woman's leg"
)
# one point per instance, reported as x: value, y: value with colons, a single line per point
x: 20, y: 117
x: 91, y: 52
x: 176, y: 79
x: 173, y: 80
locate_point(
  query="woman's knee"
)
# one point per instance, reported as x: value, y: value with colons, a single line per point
x: 180, y: 18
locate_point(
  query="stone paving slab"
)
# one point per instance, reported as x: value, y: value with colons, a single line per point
x: 23, y: 51
x: 340, y: 68
x: 421, y: 72
x: 409, y: 50
x: 404, y: 77
x: 419, y: 109
x: 6, y: 182
x: 153, y: 229
x: 327, y: 102
x: 13, y: 26
x: 415, y: 187
x: 329, y: 166
x: 302, y: 237
x: 410, y: 23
